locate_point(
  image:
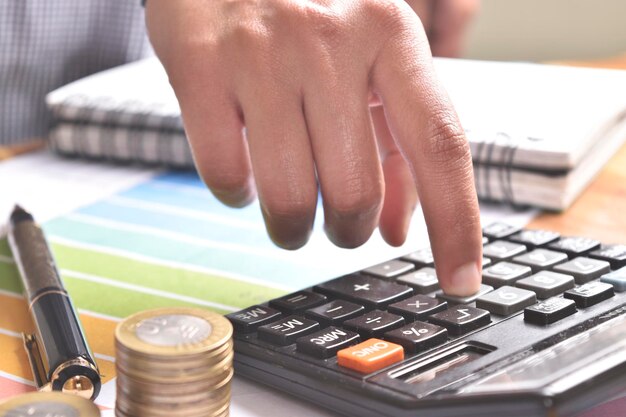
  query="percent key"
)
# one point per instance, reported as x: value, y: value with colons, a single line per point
x: 418, y: 336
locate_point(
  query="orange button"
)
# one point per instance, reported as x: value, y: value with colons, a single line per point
x: 370, y: 356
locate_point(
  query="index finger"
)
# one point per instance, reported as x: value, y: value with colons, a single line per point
x: 428, y: 133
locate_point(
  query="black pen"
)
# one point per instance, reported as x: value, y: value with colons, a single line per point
x: 58, y: 352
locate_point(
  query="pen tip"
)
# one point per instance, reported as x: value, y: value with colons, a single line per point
x: 19, y: 214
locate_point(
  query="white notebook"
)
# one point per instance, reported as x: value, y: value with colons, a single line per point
x: 538, y: 133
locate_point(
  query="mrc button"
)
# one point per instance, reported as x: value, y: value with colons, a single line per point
x: 370, y: 356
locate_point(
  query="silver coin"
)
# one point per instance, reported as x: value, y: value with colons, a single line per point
x: 173, y: 330
x: 43, y: 409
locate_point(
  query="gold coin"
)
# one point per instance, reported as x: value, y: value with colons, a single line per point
x: 178, y: 377
x: 132, y: 363
x: 45, y: 404
x: 172, y: 388
x: 173, y: 332
x: 138, y: 409
x: 174, y: 362
x: 182, y: 361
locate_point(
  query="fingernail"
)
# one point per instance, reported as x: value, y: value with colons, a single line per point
x: 465, y: 280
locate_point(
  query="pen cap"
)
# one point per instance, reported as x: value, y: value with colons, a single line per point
x: 61, y: 344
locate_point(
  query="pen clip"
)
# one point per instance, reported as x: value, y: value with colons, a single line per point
x: 36, y: 362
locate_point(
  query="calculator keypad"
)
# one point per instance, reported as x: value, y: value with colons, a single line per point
x: 617, y: 279
x: 418, y: 336
x: 248, y: 320
x: 506, y: 300
x: 327, y: 342
x: 389, y: 269
x: 453, y: 299
x: 371, y: 319
x: 575, y: 246
x: 298, y: 301
x: 614, y: 254
x: 590, y: 293
x: 461, y: 319
x: 584, y: 269
x: 547, y: 284
x: 374, y: 323
x: 370, y: 291
x: 286, y: 330
x: 335, y: 312
x: 418, y: 307
x: 505, y: 273
x: 541, y: 259
x: 550, y: 311
x: 423, y: 280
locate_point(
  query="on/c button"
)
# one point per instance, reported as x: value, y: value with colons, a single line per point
x: 370, y: 356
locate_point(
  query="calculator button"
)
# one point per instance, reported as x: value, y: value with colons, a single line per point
x: 422, y: 257
x: 287, y: 330
x: 541, y: 259
x: 614, y: 254
x: 506, y: 300
x: 335, y: 312
x: 590, y: 293
x: 617, y: 279
x: 461, y: 319
x: 547, y: 284
x: 370, y: 356
x: 246, y: 321
x: 453, y: 299
x: 371, y: 291
x: 505, y: 273
x: 298, y: 301
x: 486, y: 262
x: 499, y: 230
x: 584, y: 269
x: 389, y: 269
x: 485, y: 240
x: 418, y: 336
x: 423, y: 280
x: 549, y: 311
x: 501, y: 250
x: 325, y: 343
x: 374, y: 323
x: 534, y: 238
x: 575, y: 246
x: 418, y: 307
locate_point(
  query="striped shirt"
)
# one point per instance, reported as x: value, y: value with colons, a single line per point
x: 47, y: 43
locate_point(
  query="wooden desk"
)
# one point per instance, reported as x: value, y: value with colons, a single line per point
x: 600, y: 211
x: 7, y: 152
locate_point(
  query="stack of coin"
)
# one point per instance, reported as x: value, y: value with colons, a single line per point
x: 174, y: 362
x: 46, y: 404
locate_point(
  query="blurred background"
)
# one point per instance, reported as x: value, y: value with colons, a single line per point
x: 539, y: 30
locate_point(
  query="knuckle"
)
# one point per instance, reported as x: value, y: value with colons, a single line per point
x: 392, y: 15
x: 446, y: 143
x: 247, y: 35
x: 325, y: 25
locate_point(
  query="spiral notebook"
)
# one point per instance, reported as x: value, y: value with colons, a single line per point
x: 538, y: 134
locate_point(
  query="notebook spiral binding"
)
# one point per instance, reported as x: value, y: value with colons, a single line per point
x: 490, y: 164
x: 121, y: 132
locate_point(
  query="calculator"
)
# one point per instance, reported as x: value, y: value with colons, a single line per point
x: 544, y: 336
